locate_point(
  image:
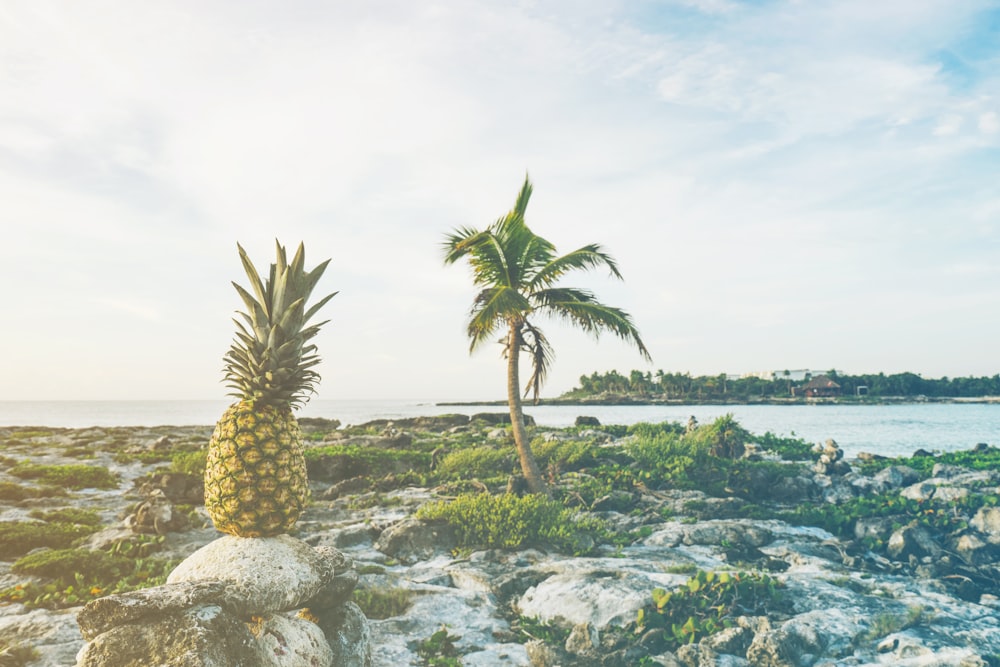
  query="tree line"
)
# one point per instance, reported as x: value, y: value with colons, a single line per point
x: 685, y: 387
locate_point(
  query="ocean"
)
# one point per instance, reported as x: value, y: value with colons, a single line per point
x: 890, y: 430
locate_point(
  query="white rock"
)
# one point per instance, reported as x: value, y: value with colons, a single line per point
x: 268, y: 574
x: 295, y: 642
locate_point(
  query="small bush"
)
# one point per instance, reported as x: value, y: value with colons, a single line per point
x: 191, y: 463
x: 566, y: 454
x: 707, y: 603
x: 476, y: 462
x: 73, y: 476
x: 510, y: 522
x: 439, y: 650
x: 790, y: 449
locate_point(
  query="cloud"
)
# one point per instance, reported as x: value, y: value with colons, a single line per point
x: 752, y: 166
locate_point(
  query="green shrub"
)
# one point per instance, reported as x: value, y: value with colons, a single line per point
x: 565, y: 454
x: 19, y: 537
x: 707, y: 603
x: 790, y: 449
x: 724, y: 438
x: 72, y: 476
x: 191, y: 463
x: 510, y: 522
x: 439, y: 650
x: 476, y: 462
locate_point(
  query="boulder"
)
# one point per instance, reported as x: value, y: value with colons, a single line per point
x: 293, y: 641
x: 921, y: 491
x: 103, y: 614
x: 602, y: 598
x: 987, y: 522
x: 895, y: 477
x: 265, y: 574
x: 733, y: 533
x: 583, y: 420
x: 202, y: 636
x: 411, y: 540
x: 973, y: 550
x: 912, y: 540
x: 53, y: 635
x: 348, y: 635
x: 156, y: 516
x: 178, y: 487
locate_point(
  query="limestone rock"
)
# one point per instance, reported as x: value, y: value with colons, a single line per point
x: 583, y: 640
x: 585, y: 595
x: 265, y: 574
x: 294, y: 642
x: 348, y: 635
x: 105, y: 613
x: 921, y: 491
x: 912, y: 540
x: 987, y: 522
x: 203, y: 636
x: 895, y: 477
x: 411, y: 540
x: 178, y: 487
x: 156, y: 516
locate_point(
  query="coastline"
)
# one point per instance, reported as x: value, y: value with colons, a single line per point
x: 640, y: 401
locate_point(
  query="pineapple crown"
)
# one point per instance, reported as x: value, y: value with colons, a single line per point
x: 270, y: 361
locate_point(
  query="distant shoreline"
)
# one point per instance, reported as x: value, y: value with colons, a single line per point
x: 637, y: 401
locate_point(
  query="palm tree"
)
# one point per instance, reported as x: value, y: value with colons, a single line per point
x: 517, y: 271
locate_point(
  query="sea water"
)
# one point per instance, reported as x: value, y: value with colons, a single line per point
x: 890, y: 430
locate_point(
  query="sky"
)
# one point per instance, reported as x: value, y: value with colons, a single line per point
x: 783, y: 183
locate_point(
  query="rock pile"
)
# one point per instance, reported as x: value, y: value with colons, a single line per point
x: 272, y: 601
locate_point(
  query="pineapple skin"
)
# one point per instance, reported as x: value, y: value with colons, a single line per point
x: 256, y: 483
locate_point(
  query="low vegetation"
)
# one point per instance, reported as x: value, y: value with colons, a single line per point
x: 61, y: 578
x: 510, y: 522
x: 707, y: 603
x: 71, y: 476
x: 19, y: 537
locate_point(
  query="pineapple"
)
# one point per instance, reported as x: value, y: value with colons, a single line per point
x: 255, y: 477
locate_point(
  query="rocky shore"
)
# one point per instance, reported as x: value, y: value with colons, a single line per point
x: 816, y: 561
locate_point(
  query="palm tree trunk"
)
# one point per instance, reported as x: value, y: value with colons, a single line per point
x: 529, y: 466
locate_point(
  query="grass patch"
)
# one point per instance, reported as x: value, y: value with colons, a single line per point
x: 510, y: 522
x: 14, y: 492
x: 72, y: 515
x: 72, y: 476
x: 71, y: 577
x: 19, y: 537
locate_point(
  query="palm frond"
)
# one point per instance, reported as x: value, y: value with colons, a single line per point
x: 537, y: 345
x: 581, y: 308
x: 588, y: 257
x: 491, y: 309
